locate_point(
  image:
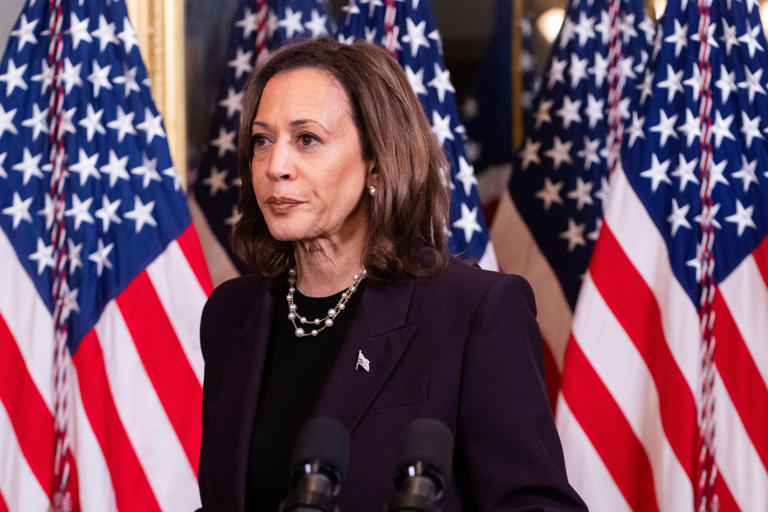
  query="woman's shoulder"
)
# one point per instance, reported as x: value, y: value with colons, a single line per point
x: 467, y: 275
x: 471, y: 284
x: 238, y: 287
x: 234, y: 297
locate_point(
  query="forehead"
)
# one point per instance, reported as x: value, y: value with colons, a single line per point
x: 302, y: 91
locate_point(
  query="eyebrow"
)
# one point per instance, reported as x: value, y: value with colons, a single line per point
x: 297, y: 122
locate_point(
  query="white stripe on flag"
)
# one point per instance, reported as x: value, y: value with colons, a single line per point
x: 518, y: 253
x: 95, y: 484
x: 615, y: 358
x: 747, y: 302
x: 28, y: 319
x: 737, y: 459
x: 141, y: 413
x: 488, y: 261
x: 173, y: 278
x: 18, y: 484
x: 586, y: 471
x: 645, y: 248
x: 219, y: 265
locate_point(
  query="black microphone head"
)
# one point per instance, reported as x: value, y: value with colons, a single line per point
x: 322, y: 439
x: 428, y: 441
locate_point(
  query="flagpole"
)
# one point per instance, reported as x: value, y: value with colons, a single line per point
x: 160, y: 29
x: 516, y: 38
x: 650, y: 9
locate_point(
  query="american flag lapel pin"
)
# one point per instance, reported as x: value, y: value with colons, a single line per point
x: 362, y: 362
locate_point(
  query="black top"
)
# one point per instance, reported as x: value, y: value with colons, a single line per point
x: 294, y: 371
x: 462, y: 347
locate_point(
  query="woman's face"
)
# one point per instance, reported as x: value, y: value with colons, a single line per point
x: 308, y: 170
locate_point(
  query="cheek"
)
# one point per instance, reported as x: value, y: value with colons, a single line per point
x: 342, y: 191
x: 258, y: 180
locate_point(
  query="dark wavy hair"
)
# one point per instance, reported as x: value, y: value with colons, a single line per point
x: 408, y: 215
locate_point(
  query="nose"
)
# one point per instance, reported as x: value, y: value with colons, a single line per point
x: 280, y: 165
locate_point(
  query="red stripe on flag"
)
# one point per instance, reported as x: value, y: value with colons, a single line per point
x: 31, y: 419
x: 73, y: 482
x: 603, y: 422
x: 3, y: 506
x: 724, y: 496
x: 741, y: 378
x: 189, y: 243
x: 761, y: 259
x: 165, y: 362
x: 635, y: 307
x: 132, y: 489
x: 551, y: 372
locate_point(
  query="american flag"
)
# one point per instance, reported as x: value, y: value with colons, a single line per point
x: 547, y: 222
x: 488, y: 110
x: 103, y: 277
x: 258, y: 27
x: 664, y: 384
x: 407, y: 31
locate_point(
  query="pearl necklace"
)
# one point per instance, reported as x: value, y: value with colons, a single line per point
x: 327, y: 320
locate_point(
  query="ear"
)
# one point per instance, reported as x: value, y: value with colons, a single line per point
x: 372, y: 174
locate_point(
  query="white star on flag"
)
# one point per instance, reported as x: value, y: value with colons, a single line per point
x: 468, y: 222
x: 574, y: 235
x: 416, y: 79
x: 742, y: 218
x: 43, y: 256
x: 13, y: 77
x: 657, y: 173
x: 677, y: 217
x: 441, y: 82
x: 80, y: 211
x: 101, y: 256
x: 19, y: 210
x: 152, y: 126
x: 108, y: 212
x: 225, y: 142
x: 123, y: 124
x: 105, y: 33
x: 550, y: 193
x: 291, y: 22
x: 141, y: 213
x: 217, y: 181
x: 128, y: 36
x: 415, y: 37
x: 116, y: 168
x: 25, y: 33
x: 29, y: 166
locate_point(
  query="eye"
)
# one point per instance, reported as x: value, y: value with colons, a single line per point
x: 258, y: 140
x: 308, y: 139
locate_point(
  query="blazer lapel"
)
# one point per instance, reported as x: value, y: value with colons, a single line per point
x: 379, y: 335
x: 238, y: 398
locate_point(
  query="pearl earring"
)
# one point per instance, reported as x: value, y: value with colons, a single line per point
x: 371, y: 191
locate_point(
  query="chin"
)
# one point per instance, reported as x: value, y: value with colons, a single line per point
x: 285, y: 235
x: 286, y: 232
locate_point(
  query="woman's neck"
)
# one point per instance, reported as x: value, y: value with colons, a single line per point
x: 327, y: 268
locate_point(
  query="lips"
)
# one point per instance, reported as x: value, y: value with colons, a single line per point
x: 282, y: 204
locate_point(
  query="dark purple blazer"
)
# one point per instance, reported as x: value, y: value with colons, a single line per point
x: 463, y: 348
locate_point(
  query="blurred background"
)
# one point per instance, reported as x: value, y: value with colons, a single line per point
x: 465, y: 26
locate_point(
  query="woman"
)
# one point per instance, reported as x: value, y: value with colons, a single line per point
x: 354, y: 309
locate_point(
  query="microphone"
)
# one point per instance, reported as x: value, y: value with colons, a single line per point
x: 424, y: 466
x: 320, y: 457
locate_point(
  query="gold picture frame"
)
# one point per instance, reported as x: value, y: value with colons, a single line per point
x: 159, y: 26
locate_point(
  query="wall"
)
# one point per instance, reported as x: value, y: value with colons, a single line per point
x: 10, y: 10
